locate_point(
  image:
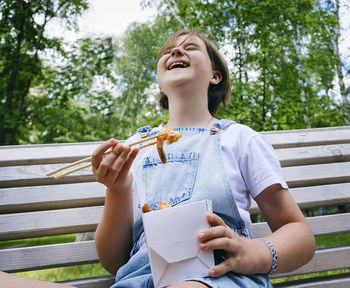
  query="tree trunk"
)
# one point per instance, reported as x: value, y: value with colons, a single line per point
x: 339, y: 65
x: 300, y: 77
x: 7, y: 128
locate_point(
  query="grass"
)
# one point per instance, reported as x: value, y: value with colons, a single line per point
x: 66, y: 273
x: 93, y: 270
x: 38, y: 241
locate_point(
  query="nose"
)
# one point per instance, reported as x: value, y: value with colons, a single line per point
x: 177, y: 51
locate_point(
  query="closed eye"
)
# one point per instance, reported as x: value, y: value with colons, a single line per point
x: 191, y: 46
x: 167, y: 51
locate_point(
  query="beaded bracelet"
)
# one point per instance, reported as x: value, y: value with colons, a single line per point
x: 273, y: 254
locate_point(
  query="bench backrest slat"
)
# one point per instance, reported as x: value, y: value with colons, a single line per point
x: 308, y: 137
x: 51, y: 222
x: 48, y: 256
x: 324, y: 260
x: 316, y: 196
x: 296, y: 176
x: 65, y: 221
x: 48, y: 197
x: 318, y: 174
x: 320, y: 225
x: 45, y: 153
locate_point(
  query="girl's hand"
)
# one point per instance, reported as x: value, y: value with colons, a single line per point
x: 112, y: 170
x: 242, y: 255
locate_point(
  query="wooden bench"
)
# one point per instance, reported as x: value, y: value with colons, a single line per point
x: 316, y: 164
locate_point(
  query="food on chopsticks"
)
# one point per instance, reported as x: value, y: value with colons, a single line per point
x: 166, y: 135
x: 161, y: 205
x: 169, y: 136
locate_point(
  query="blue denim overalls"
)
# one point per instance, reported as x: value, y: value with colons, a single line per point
x: 194, y: 171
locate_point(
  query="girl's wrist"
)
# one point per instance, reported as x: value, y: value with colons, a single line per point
x: 264, y: 257
x: 114, y: 191
x: 273, y: 254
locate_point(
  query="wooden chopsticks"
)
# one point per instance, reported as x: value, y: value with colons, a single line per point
x: 60, y: 174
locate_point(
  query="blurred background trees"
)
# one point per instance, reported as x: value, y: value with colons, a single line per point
x: 286, y: 68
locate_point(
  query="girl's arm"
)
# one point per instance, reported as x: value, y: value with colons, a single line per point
x: 114, y: 233
x: 291, y: 236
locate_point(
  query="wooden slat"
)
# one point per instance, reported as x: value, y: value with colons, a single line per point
x: 17, y: 155
x: 296, y: 176
x: 323, y: 260
x: 31, y: 175
x: 46, y: 223
x: 57, y: 255
x: 64, y: 221
x: 48, y: 256
x: 95, y: 282
x: 313, y: 155
x: 309, y: 137
x: 318, y: 283
x: 34, y: 198
x: 319, y: 174
x: 316, y: 196
x: 320, y: 225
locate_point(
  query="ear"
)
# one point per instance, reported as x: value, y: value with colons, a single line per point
x: 216, y: 78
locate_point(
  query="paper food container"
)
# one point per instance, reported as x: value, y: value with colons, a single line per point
x: 173, y: 246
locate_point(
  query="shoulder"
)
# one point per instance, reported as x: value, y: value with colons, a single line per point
x: 240, y: 133
x: 244, y: 140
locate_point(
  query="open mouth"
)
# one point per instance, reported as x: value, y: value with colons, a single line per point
x: 178, y: 64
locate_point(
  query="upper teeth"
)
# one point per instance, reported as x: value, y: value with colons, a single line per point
x: 177, y: 63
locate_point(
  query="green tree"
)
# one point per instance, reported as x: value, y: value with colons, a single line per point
x: 280, y: 56
x: 22, y: 39
x: 75, y: 99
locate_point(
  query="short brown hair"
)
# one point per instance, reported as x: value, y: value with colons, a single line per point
x: 219, y: 93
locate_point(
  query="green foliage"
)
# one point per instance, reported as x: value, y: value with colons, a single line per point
x: 282, y: 56
x: 75, y: 101
x: 22, y: 39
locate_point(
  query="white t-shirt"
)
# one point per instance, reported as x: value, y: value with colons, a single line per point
x: 257, y: 162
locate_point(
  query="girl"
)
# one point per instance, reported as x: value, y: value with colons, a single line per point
x: 215, y: 159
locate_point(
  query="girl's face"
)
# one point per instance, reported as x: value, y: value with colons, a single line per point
x: 185, y: 63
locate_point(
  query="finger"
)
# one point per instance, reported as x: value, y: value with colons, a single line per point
x: 214, y: 232
x: 214, y: 219
x: 118, y: 165
x: 221, y: 243
x: 106, y: 163
x: 127, y: 165
x: 221, y: 269
x: 97, y: 155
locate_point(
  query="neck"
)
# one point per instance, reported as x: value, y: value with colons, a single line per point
x: 188, y: 110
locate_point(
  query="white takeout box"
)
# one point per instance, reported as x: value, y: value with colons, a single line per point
x: 173, y: 246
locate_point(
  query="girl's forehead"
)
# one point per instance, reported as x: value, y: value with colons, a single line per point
x: 176, y: 41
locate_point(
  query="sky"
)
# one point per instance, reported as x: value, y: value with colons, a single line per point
x: 103, y: 18
x: 111, y: 17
